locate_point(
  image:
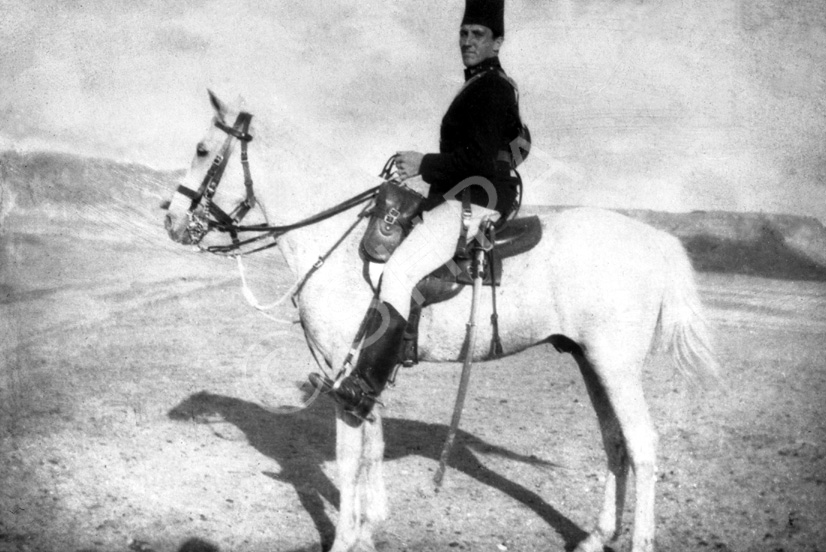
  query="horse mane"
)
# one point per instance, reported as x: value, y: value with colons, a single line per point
x: 296, y: 159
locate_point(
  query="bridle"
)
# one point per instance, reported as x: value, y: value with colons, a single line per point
x: 204, y: 215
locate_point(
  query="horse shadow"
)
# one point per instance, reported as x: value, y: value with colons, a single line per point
x: 301, y: 442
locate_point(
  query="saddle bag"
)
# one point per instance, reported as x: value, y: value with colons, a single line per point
x: 391, y: 219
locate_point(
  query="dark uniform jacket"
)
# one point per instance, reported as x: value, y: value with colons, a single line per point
x: 475, y: 139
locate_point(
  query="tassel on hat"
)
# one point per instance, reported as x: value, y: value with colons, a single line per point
x: 490, y: 13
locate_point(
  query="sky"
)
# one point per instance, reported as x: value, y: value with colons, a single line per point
x: 669, y: 105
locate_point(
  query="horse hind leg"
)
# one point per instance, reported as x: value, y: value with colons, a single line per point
x: 610, y: 517
x: 615, y: 384
x: 641, y: 442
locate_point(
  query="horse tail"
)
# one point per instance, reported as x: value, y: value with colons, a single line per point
x: 682, y: 329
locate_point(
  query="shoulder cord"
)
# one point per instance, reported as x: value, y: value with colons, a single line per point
x: 296, y: 288
x: 498, y: 71
x: 253, y: 302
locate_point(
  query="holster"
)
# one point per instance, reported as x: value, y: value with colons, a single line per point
x: 391, y: 219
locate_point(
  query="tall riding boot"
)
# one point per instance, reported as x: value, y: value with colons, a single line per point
x: 358, y: 392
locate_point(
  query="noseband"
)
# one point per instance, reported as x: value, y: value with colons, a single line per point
x: 210, y: 216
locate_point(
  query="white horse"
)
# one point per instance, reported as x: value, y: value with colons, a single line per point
x: 617, y: 289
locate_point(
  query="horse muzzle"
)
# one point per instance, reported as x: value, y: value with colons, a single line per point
x: 189, y: 230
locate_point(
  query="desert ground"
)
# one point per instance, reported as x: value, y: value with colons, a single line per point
x: 146, y: 406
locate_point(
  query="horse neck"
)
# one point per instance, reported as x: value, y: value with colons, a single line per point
x: 300, y: 175
x: 294, y: 183
x: 332, y: 296
x: 306, y: 248
x: 298, y: 178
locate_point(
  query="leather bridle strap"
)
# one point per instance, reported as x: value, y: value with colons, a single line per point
x: 206, y: 191
x: 240, y: 130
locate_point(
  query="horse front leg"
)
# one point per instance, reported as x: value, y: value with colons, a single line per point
x: 371, y: 487
x: 349, y: 450
x: 363, y: 499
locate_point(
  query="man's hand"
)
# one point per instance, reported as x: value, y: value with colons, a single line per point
x: 408, y: 163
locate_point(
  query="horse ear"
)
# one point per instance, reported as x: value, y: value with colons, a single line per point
x: 220, y: 108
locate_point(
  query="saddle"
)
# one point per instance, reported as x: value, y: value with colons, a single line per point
x: 395, y: 213
x: 517, y: 236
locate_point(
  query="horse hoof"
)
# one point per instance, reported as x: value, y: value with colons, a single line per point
x: 360, y: 546
x: 592, y: 543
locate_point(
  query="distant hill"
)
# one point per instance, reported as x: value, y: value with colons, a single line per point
x: 59, y: 192
x: 43, y: 180
x: 67, y: 187
x: 772, y: 245
x: 760, y: 244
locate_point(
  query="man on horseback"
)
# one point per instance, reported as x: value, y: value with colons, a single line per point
x: 472, y: 182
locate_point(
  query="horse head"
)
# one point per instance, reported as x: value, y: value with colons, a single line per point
x: 195, y: 208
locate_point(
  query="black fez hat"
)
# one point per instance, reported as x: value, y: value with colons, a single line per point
x: 490, y: 13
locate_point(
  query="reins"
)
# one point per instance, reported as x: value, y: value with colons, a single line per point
x: 276, y: 231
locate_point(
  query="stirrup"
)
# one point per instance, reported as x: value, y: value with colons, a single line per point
x: 328, y: 386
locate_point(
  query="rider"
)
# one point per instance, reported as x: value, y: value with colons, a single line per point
x: 474, y: 154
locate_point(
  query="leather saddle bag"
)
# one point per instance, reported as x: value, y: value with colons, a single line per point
x: 396, y: 211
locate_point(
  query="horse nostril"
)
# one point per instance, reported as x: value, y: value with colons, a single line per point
x: 167, y: 222
x: 165, y: 205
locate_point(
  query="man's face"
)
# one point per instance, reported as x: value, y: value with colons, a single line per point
x: 477, y: 44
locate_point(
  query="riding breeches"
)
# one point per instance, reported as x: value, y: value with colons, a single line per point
x: 430, y: 244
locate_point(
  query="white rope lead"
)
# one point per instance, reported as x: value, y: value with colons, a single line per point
x: 250, y: 297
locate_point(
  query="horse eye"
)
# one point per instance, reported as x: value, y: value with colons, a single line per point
x: 201, y: 151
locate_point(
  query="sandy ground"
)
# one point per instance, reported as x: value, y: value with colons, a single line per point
x: 133, y: 376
